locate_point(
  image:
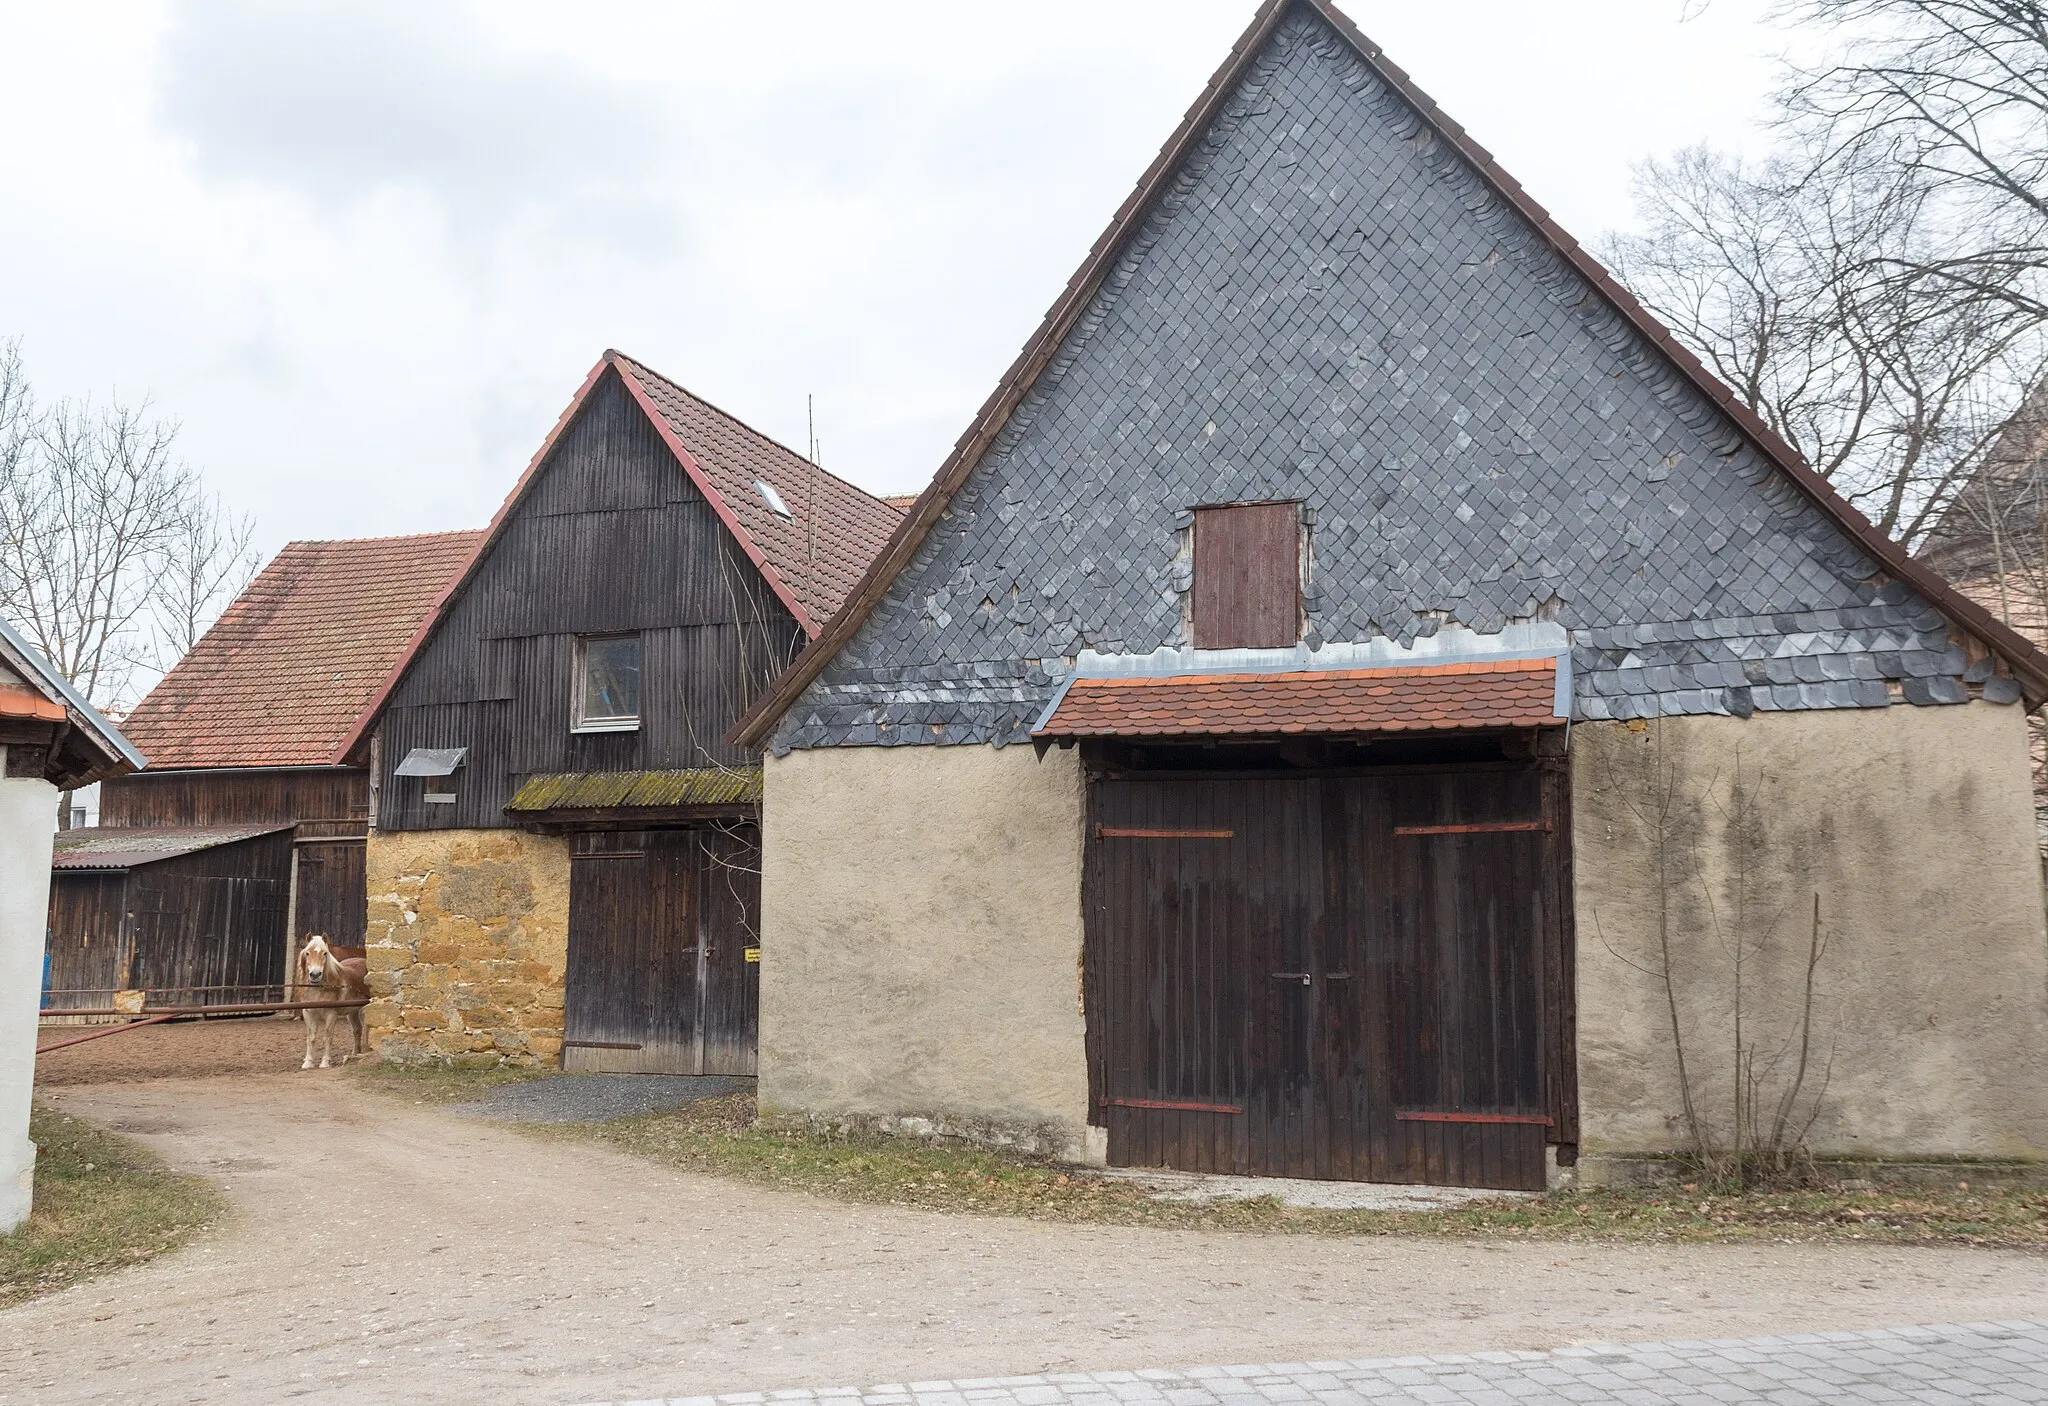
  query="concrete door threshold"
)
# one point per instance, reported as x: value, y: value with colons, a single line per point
x: 1168, y: 1185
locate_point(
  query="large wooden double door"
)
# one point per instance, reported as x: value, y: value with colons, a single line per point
x: 1358, y: 977
x: 664, y: 962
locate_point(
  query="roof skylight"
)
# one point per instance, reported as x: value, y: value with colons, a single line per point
x: 773, y: 499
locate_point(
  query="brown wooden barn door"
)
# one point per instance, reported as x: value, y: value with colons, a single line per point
x: 1202, y: 931
x: 630, y: 1003
x: 333, y: 897
x: 664, y: 972
x: 1337, y: 977
x: 1462, y: 978
x: 732, y: 948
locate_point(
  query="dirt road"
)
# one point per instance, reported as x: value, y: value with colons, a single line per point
x: 386, y: 1252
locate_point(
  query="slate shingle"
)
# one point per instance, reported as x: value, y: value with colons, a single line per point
x: 1330, y: 303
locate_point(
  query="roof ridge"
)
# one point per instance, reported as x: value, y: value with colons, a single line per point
x: 394, y: 537
x: 725, y: 414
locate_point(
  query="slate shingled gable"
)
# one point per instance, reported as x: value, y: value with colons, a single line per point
x: 1329, y: 301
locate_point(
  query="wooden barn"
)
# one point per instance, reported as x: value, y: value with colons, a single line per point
x: 564, y: 858
x: 193, y: 915
x: 1353, y: 687
x: 242, y: 836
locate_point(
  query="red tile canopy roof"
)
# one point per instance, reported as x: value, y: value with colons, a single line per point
x: 1499, y: 693
x: 285, y: 672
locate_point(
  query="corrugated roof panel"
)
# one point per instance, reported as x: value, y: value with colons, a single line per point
x: 124, y: 848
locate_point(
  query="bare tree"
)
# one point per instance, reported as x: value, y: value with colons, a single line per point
x: 112, y: 557
x: 1956, y: 92
x: 1777, y: 278
x: 207, y: 561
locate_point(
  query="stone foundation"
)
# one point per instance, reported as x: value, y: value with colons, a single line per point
x: 468, y: 946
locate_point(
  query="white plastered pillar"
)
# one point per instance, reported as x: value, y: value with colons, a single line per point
x: 28, y: 823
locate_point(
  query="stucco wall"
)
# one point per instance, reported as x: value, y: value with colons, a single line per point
x: 28, y: 821
x: 468, y: 945
x: 921, y: 941
x: 1915, y: 827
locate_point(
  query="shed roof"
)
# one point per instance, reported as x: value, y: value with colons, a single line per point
x: 125, y: 848
x: 611, y: 790
x: 1504, y: 693
x: 810, y: 556
x: 87, y: 748
x: 284, y: 673
x: 1153, y: 192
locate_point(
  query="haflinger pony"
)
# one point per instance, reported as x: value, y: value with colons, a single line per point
x: 324, y: 977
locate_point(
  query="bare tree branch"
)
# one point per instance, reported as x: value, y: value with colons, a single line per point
x: 113, y: 559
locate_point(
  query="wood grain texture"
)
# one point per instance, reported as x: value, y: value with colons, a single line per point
x: 1372, y: 1008
x: 1247, y: 592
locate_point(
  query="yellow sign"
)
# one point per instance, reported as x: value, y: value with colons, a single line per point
x: 753, y: 954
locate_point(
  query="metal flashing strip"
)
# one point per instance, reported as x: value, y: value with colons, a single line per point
x: 431, y: 761
x: 24, y: 657
x: 1540, y: 642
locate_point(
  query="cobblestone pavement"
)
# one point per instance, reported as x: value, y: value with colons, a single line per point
x: 1984, y: 1364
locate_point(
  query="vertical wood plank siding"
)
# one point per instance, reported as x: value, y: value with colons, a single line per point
x: 1247, y: 592
x: 332, y: 895
x: 613, y: 537
x: 660, y: 923
x: 1319, y: 995
x: 215, y: 918
x: 252, y: 797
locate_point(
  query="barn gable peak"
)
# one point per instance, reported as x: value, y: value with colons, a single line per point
x: 1325, y: 293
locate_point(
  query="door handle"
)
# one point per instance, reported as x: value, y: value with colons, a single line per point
x: 1303, y: 977
x: 1336, y: 976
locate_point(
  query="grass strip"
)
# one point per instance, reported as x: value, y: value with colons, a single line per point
x: 717, y: 1136
x: 102, y: 1202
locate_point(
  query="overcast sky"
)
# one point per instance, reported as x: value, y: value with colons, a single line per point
x: 366, y: 252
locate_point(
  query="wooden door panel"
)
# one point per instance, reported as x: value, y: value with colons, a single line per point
x: 333, y: 896
x: 1321, y: 977
x: 661, y: 927
x: 1464, y: 978
x: 631, y: 985
x: 731, y: 862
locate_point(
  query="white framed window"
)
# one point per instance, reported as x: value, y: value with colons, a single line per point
x: 607, y: 684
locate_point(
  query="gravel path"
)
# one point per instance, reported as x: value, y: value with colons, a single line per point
x: 595, y: 1098
x: 384, y: 1251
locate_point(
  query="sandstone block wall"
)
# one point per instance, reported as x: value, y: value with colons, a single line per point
x: 468, y: 946
x: 1915, y: 829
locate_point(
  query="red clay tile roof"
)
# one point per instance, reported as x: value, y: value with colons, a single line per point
x: 1413, y: 698
x: 833, y: 530
x: 283, y: 675
x: 901, y: 502
x: 17, y: 702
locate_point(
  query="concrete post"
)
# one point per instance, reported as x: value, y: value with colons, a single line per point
x: 28, y: 821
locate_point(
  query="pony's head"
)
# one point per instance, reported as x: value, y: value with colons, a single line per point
x: 316, y: 959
